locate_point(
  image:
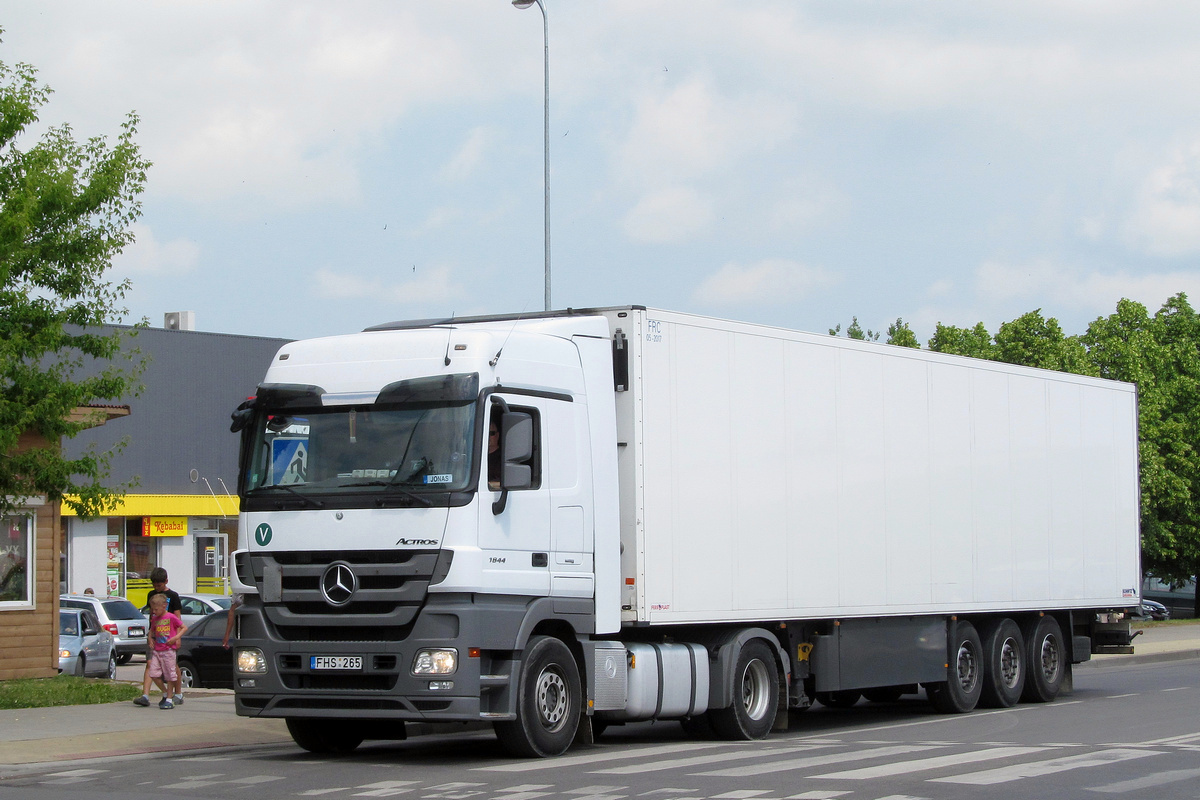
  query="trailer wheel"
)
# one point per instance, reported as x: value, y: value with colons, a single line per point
x: 1046, y: 658
x: 549, y: 700
x: 964, y: 675
x: 324, y: 735
x: 755, y: 687
x: 1004, y: 664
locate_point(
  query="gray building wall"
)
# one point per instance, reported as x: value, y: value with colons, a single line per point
x: 180, y: 422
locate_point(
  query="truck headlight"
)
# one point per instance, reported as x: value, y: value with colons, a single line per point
x: 435, y: 662
x: 251, y: 659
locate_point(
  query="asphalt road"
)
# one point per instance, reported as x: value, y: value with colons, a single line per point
x: 1127, y: 730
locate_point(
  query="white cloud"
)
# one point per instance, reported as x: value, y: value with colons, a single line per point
x: 148, y: 256
x: 670, y: 215
x: 692, y: 131
x: 1166, y: 219
x: 1050, y: 286
x: 428, y: 285
x: 468, y: 157
x: 770, y: 282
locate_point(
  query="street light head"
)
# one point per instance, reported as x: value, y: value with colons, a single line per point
x: 523, y: 3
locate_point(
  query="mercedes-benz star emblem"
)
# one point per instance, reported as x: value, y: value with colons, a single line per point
x: 338, y: 583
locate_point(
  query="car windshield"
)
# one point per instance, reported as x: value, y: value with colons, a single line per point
x: 68, y: 623
x: 222, y: 601
x: 417, y: 436
x: 120, y: 609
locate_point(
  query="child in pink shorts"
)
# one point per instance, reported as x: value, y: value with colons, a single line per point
x: 162, y: 641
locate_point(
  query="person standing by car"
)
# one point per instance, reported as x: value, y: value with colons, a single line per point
x: 237, y: 601
x: 158, y: 577
x: 166, y: 629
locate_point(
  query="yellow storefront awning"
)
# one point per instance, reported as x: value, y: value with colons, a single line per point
x: 177, y: 505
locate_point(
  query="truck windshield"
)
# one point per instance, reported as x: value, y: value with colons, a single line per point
x: 403, y: 448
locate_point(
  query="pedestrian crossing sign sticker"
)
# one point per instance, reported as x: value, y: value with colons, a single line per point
x: 289, y: 460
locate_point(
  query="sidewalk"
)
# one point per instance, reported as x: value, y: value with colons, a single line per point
x: 207, y: 719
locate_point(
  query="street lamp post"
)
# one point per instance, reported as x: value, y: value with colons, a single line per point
x: 546, y: 128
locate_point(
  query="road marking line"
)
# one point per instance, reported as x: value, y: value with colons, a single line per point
x: 1149, y: 781
x: 922, y: 764
x: 817, y: 761
x: 1048, y: 767
x: 658, y: 766
x: 615, y: 754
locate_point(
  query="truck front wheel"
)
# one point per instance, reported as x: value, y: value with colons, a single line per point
x: 755, y: 685
x: 964, y: 675
x: 324, y: 735
x: 549, y: 701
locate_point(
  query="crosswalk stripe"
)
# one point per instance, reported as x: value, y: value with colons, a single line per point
x: 1148, y: 781
x: 818, y: 761
x: 712, y: 758
x: 922, y: 764
x: 1048, y: 767
x: 615, y: 754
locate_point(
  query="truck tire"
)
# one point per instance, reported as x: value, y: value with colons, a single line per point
x: 1003, y: 664
x: 324, y: 735
x: 549, y: 701
x: 755, y: 685
x: 964, y: 675
x: 1046, y: 659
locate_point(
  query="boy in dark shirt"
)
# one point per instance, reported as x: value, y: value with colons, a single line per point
x: 158, y: 577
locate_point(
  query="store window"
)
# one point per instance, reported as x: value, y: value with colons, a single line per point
x: 16, y: 561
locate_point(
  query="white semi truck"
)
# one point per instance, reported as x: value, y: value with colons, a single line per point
x: 568, y: 520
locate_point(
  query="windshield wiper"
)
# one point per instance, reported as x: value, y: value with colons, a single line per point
x: 416, y: 498
x: 311, y: 500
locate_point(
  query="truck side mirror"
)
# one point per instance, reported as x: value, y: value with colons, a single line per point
x: 516, y: 447
x: 516, y: 451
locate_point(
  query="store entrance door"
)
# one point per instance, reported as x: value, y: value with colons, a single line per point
x: 212, y: 576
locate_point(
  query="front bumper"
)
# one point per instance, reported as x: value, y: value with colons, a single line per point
x: 385, y: 687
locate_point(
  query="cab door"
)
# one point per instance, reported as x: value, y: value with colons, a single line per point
x: 515, y: 543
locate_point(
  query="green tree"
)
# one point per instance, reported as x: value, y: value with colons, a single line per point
x: 1035, y: 341
x: 1161, y: 354
x: 65, y: 211
x: 855, y: 331
x: 974, y: 342
x: 898, y: 333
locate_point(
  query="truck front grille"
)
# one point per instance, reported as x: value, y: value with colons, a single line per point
x: 391, y: 587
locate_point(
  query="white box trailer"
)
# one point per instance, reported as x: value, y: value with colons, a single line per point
x: 562, y: 521
x: 768, y: 473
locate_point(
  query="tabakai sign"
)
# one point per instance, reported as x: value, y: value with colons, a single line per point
x: 164, y: 526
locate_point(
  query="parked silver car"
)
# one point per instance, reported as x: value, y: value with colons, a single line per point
x: 118, y: 616
x: 85, y: 648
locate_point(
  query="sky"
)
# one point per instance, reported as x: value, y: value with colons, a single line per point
x: 321, y: 167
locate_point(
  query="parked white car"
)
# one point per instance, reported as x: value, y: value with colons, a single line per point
x: 197, y: 606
